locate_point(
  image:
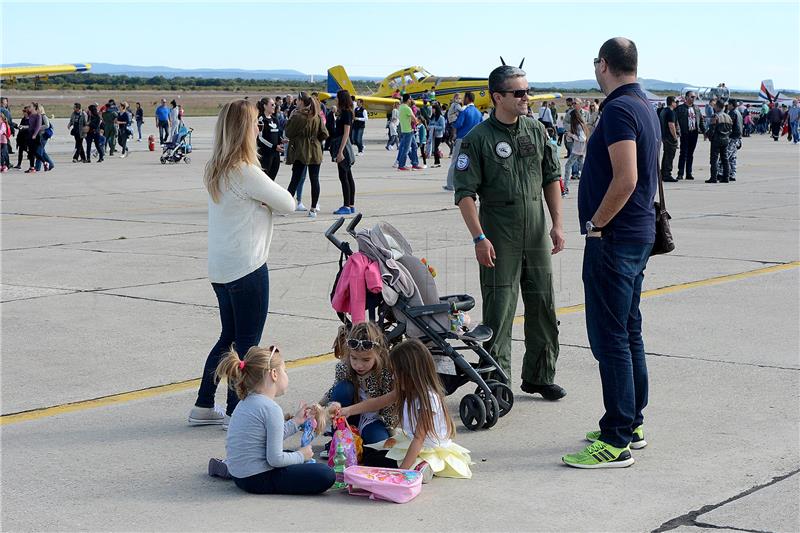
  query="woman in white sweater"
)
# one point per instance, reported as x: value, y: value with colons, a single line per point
x: 241, y: 203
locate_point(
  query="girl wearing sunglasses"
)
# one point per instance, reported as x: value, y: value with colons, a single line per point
x: 362, y: 373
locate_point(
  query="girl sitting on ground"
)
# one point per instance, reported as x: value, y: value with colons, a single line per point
x: 362, y: 373
x: 254, y: 445
x: 425, y: 440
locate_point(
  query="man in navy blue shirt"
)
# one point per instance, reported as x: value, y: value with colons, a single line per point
x: 616, y: 212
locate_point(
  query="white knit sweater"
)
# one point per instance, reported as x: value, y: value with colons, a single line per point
x: 240, y: 224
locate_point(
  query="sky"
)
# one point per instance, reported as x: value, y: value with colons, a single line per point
x: 696, y: 43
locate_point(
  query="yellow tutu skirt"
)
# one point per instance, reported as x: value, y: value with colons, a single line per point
x: 451, y: 460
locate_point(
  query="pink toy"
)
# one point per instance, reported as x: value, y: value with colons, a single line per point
x: 390, y: 484
x: 344, y: 436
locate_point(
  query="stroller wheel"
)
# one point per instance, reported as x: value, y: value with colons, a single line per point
x: 187, y: 160
x: 501, y: 392
x: 472, y: 411
x: 492, y: 412
x: 163, y: 160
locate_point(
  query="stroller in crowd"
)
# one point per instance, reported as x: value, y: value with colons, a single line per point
x: 177, y: 149
x: 408, y: 306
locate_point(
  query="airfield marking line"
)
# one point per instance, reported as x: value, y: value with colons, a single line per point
x: 35, y: 414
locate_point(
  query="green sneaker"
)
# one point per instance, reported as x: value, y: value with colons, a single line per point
x: 599, y: 455
x: 637, y: 443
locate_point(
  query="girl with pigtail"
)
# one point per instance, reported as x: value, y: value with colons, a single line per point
x: 256, y: 459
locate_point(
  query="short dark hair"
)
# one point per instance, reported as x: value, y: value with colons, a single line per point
x: 670, y: 100
x: 406, y: 97
x: 77, y: 104
x: 620, y: 55
x: 469, y: 96
x: 719, y: 104
x: 499, y: 76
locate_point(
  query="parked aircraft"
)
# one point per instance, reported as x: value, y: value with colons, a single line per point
x: 42, y: 71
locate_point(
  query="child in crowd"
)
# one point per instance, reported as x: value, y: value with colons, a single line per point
x: 256, y: 460
x: 422, y: 141
x: 551, y: 136
x: 5, y: 137
x: 391, y: 125
x: 425, y: 440
x: 577, y: 135
x: 362, y: 373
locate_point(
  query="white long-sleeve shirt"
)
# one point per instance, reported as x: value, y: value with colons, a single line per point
x: 240, y: 224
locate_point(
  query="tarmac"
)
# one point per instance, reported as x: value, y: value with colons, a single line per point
x: 107, y: 318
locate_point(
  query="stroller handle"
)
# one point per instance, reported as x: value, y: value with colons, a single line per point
x: 329, y: 234
x: 351, y: 228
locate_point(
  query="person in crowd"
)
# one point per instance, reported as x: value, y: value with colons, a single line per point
x: 340, y: 150
x: 669, y: 138
x: 735, y: 139
x: 139, y: 120
x: 162, y: 121
x: 452, y: 115
x: 174, y: 121
x: 468, y: 118
x: 437, y: 130
x: 508, y: 161
x: 110, y: 126
x: 306, y: 132
x: 392, y: 125
x: 422, y: 140
x: 594, y: 116
x: 5, y: 140
x: 359, y: 125
x: 567, y: 123
x: 546, y: 115
x: 241, y: 203
x: 408, y: 143
x: 93, y: 136
x: 617, y: 215
x: 719, y: 133
x: 42, y: 135
x: 577, y: 135
x: 5, y: 110
x: 24, y: 139
x: 256, y: 459
x: 270, y: 146
x: 709, y: 110
x: 123, y: 127
x: 690, y: 125
x: 775, y: 121
x: 77, y: 127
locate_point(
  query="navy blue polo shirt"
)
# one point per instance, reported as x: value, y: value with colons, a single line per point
x: 626, y: 115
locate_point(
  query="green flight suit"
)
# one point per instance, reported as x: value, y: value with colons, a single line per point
x: 507, y: 167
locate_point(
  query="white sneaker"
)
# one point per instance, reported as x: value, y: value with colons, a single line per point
x: 312, y: 213
x: 207, y: 416
x: 122, y: 156
x: 300, y: 207
x: 395, y: 164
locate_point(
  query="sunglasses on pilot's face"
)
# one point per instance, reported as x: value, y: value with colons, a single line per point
x: 361, y: 345
x: 518, y: 93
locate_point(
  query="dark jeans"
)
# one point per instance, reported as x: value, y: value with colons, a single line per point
x: 79, y: 153
x: 668, y: 158
x: 123, y: 139
x: 357, y: 138
x: 313, y: 176
x: 436, y: 142
x: 94, y: 138
x: 270, y: 163
x: 686, y: 157
x: 720, y: 152
x: 139, y: 129
x: 243, y: 306
x: 348, y: 184
x: 344, y: 393
x: 163, y: 131
x: 612, y: 285
x: 42, y: 156
x: 307, y: 478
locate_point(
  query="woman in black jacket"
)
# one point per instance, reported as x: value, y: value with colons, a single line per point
x: 23, y: 138
x: 270, y: 147
x: 93, y: 136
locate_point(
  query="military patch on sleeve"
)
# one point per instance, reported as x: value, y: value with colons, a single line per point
x: 526, y: 146
x: 462, y: 162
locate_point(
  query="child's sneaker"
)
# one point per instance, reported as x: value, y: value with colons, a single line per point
x: 206, y: 416
x: 218, y: 468
x: 395, y: 164
x: 425, y: 469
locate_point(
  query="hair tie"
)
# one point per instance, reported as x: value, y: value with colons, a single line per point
x: 241, y: 365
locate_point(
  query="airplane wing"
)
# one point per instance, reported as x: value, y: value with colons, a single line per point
x: 374, y: 104
x: 43, y: 70
x: 545, y: 96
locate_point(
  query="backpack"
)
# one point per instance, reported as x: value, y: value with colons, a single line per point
x: 389, y: 484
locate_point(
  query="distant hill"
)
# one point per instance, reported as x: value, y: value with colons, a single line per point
x: 587, y: 85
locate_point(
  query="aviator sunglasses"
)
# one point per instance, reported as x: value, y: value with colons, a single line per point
x: 362, y: 345
x: 519, y: 93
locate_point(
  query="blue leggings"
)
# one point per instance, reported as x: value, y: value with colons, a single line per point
x: 344, y: 393
x: 308, y: 478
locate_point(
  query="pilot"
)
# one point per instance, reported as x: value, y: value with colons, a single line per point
x: 509, y: 165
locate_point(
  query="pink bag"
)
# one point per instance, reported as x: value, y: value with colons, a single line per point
x: 344, y: 436
x: 390, y: 484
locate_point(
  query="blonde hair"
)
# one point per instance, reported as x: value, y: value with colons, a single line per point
x: 244, y: 375
x: 415, y: 380
x: 234, y: 144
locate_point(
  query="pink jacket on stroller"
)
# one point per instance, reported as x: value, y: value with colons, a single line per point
x: 359, y: 274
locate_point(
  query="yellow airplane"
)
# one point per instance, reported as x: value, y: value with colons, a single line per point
x: 42, y: 71
x: 416, y: 81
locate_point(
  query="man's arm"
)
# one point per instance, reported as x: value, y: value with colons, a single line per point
x: 623, y: 182
x: 673, y: 131
x: 552, y: 195
x: 484, y: 251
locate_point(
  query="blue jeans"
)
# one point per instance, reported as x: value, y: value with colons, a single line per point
x: 298, y: 193
x: 307, y: 478
x: 344, y: 393
x: 408, y: 146
x: 42, y: 155
x: 794, y: 127
x: 243, y: 306
x: 612, y: 285
x: 357, y: 138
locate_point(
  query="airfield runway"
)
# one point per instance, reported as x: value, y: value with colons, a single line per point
x: 107, y: 317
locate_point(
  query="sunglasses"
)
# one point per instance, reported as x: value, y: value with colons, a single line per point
x: 361, y: 345
x: 519, y: 93
x: 597, y: 60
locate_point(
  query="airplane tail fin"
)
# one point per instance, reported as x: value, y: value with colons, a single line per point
x: 767, y: 91
x: 338, y: 80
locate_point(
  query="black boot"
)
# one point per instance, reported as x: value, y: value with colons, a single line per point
x: 550, y: 392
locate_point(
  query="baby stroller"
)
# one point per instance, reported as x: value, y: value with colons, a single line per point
x: 178, y: 148
x: 409, y: 306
